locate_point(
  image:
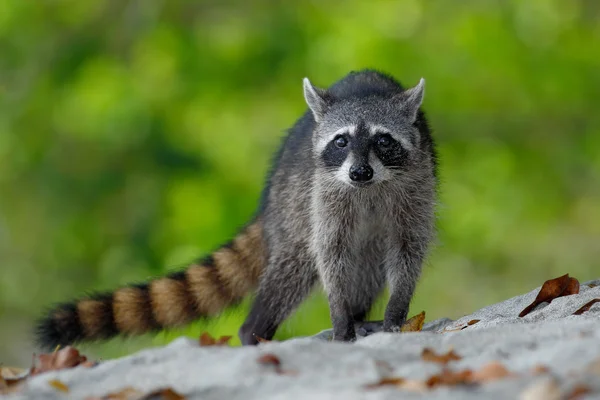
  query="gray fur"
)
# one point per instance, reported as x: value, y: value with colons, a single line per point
x: 319, y: 226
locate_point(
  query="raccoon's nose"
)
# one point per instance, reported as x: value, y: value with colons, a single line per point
x: 361, y: 173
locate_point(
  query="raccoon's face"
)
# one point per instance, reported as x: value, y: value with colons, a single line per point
x: 365, y: 141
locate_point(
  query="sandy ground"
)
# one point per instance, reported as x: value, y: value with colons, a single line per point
x: 567, y: 345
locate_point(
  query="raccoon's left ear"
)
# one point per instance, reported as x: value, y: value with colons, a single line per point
x: 316, y: 98
x: 411, y: 99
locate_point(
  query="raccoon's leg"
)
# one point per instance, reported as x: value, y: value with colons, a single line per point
x: 286, y: 282
x: 337, y: 273
x: 372, y: 282
x: 403, y: 264
x: 340, y: 308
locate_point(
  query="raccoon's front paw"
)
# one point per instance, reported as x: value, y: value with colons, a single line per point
x: 349, y: 336
x: 366, y: 328
x: 394, y: 327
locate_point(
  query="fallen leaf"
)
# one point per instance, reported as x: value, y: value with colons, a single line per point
x: 429, y: 355
x: 12, y: 372
x: 473, y: 322
x: 447, y: 377
x: 551, y: 289
x: 127, y: 393
x: 490, y: 372
x: 272, y: 359
x: 11, y: 377
x: 207, y: 340
x: 269, y: 359
x: 542, y: 390
x: 586, y: 307
x: 164, y: 394
x: 450, y: 378
x: 577, y: 392
x: 401, y: 383
x: 414, y: 385
x: 386, y: 382
x: 414, y: 324
x: 10, y: 385
x: 130, y: 393
x: 67, y: 357
x: 58, y: 385
x: 540, y: 370
x: 454, y: 330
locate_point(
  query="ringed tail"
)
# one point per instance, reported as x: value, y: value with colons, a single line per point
x: 202, y: 289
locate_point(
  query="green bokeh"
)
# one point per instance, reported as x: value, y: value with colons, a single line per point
x: 135, y: 136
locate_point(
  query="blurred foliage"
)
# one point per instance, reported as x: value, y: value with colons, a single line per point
x: 135, y: 136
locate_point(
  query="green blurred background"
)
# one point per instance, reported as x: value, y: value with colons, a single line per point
x: 135, y: 136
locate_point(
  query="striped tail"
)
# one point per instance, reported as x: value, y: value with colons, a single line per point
x: 203, y: 289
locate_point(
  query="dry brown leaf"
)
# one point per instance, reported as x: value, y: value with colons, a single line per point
x: 10, y: 378
x: 269, y: 359
x: 454, y: 330
x: 414, y: 324
x: 540, y: 370
x: 127, y: 393
x: 12, y: 372
x: 414, y: 385
x: 401, y: 383
x: 386, y: 382
x: 450, y: 378
x: 447, y: 377
x: 130, y: 393
x: 164, y: 394
x: 490, y: 372
x: 551, y: 289
x: 586, y: 307
x: 473, y: 322
x: 207, y: 340
x: 429, y: 355
x: 67, y: 357
x: 10, y: 385
x: 58, y: 385
x: 578, y: 391
x: 273, y: 360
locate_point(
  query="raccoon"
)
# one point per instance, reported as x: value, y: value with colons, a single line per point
x: 349, y: 203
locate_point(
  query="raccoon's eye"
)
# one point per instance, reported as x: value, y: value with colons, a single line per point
x: 340, y: 141
x: 384, y: 140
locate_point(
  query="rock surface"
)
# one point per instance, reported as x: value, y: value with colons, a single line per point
x: 567, y: 345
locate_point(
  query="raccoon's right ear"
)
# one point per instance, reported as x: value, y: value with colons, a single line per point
x: 411, y: 100
x: 316, y: 98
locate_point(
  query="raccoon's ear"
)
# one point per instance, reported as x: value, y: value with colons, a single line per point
x: 316, y: 98
x: 411, y: 100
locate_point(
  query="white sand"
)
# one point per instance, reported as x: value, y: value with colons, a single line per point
x: 568, y: 345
